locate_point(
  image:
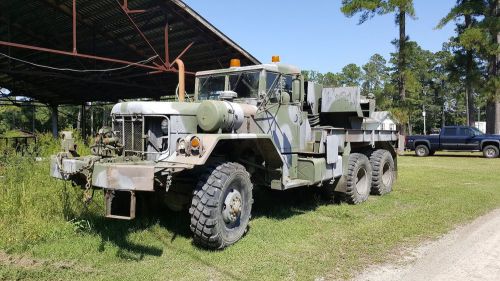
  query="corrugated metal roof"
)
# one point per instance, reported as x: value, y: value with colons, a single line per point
x: 103, y: 29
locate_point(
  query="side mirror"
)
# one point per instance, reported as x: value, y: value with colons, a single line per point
x: 296, y: 90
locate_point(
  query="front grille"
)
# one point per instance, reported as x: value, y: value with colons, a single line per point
x: 138, y: 144
x: 130, y: 131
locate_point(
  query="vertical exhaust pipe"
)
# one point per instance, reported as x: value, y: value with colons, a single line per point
x: 182, y: 81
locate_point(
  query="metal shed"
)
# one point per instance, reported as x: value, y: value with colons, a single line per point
x: 72, y: 51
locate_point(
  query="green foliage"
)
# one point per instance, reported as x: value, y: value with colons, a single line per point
x: 432, y: 79
x: 41, y: 208
x: 476, y: 48
x: 15, y: 118
x: 369, y: 8
x: 351, y: 75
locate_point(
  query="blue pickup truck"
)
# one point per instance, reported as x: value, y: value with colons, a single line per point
x: 455, y: 138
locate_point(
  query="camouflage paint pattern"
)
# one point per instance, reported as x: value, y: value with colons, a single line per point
x: 273, y: 120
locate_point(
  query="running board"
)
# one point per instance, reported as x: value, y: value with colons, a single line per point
x: 120, y: 204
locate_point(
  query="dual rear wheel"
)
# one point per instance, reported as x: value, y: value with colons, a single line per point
x: 369, y: 175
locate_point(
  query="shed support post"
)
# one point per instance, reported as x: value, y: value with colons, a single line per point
x: 91, y: 120
x: 55, y: 121
x: 33, y: 119
x: 83, y: 122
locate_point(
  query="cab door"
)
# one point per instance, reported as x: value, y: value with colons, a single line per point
x: 449, y: 138
x: 466, y: 139
x: 280, y: 117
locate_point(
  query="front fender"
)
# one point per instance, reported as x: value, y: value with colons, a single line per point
x: 489, y: 141
x: 421, y: 141
x: 210, y: 141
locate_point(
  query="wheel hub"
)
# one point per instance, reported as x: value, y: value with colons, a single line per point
x: 387, y: 174
x: 490, y: 152
x: 232, y: 207
x: 361, y: 182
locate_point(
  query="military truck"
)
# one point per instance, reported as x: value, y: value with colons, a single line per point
x: 248, y: 127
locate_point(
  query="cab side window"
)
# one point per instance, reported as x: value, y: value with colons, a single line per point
x: 465, y: 132
x: 450, y: 132
x: 287, y: 83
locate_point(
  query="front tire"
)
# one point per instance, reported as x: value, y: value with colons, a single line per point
x: 383, y: 173
x: 358, y: 179
x: 490, y: 151
x: 221, y: 206
x: 422, y: 150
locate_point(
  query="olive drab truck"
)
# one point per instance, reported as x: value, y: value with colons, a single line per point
x: 246, y: 127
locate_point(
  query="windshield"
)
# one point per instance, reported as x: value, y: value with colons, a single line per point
x: 210, y: 87
x: 245, y: 84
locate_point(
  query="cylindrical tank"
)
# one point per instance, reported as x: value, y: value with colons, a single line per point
x: 214, y: 115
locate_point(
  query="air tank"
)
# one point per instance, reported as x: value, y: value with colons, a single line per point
x: 215, y: 115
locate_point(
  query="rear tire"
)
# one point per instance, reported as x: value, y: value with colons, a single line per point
x: 490, y: 151
x: 422, y: 150
x: 221, y: 206
x: 358, y: 179
x: 383, y: 172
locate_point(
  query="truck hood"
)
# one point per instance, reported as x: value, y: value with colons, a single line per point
x: 497, y: 137
x: 155, y: 108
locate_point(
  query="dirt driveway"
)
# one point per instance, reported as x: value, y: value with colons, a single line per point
x: 471, y: 252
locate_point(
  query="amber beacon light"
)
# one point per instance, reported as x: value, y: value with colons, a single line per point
x: 235, y: 63
x: 276, y: 59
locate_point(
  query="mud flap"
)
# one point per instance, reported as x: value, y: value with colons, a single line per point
x: 120, y: 204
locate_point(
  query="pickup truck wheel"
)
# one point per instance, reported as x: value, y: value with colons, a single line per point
x: 221, y: 206
x: 383, y: 173
x: 422, y: 150
x: 358, y: 179
x: 490, y: 151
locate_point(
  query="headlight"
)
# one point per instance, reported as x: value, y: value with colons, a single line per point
x: 190, y: 145
x: 164, y: 126
x: 181, y: 146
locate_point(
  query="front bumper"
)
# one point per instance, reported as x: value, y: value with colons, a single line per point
x: 117, y: 176
x: 132, y: 177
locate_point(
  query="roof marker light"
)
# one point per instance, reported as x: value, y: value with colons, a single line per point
x: 235, y: 63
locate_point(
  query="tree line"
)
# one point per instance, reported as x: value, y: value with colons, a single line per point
x: 457, y: 85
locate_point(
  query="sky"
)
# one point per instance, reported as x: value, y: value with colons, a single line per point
x: 315, y: 35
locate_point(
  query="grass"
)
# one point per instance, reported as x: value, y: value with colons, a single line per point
x: 46, y: 233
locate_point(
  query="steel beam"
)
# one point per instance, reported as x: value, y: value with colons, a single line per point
x: 146, y: 40
x: 67, y: 11
x: 47, y: 50
x: 128, y: 11
x: 183, y: 52
x: 74, y: 28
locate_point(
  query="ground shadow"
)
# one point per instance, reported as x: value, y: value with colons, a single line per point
x: 117, y: 232
x: 450, y: 155
x: 267, y: 203
x: 285, y: 204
